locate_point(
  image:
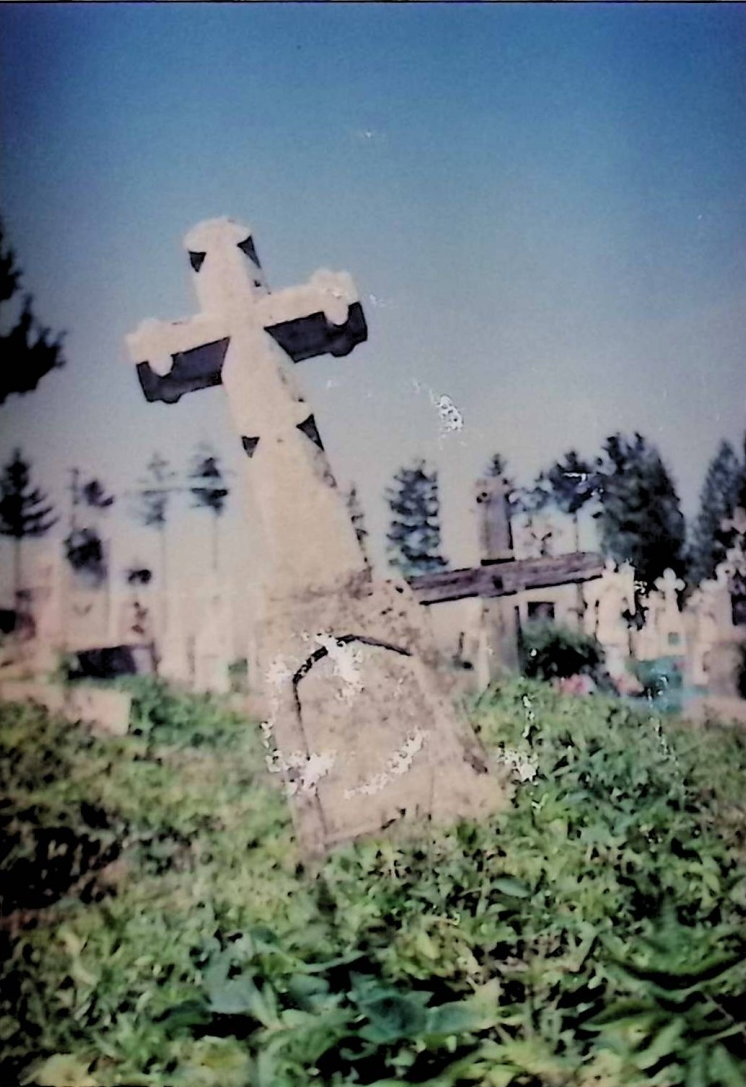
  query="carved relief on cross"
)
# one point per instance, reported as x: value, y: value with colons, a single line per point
x: 245, y: 338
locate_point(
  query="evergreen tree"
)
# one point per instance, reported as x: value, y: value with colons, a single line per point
x: 154, y: 497
x: 569, y: 485
x: 208, y: 489
x: 84, y: 546
x: 27, y: 350
x: 640, y: 517
x: 357, y: 517
x: 414, y: 536
x: 24, y: 510
x: 718, y: 499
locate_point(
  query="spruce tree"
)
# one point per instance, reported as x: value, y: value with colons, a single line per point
x: 569, y: 484
x: 27, y: 349
x: 640, y: 517
x: 24, y: 510
x: 718, y: 499
x: 414, y: 536
x: 84, y: 547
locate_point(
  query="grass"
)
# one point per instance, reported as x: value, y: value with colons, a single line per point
x: 159, y: 929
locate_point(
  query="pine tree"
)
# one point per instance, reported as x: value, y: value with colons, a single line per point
x: 154, y: 497
x: 208, y: 489
x: 640, y: 517
x: 24, y: 510
x: 84, y: 547
x: 27, y: 350
x: 718, y: 499
x: 414, y: 536
x: 569, y: 485
x: 357, y: 516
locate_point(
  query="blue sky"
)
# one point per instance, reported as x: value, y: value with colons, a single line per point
x: 543, y: 207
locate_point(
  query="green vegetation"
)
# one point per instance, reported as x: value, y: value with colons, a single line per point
x: 550, y: 651
x: 159, y: 928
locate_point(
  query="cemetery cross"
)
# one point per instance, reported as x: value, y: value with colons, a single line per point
x: 362, y: 732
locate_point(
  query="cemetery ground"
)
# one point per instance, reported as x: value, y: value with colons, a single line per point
x: 158, y: 927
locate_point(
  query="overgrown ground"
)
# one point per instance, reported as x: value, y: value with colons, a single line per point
x: 158, y: 927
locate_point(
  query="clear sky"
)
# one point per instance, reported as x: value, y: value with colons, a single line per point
x: 543, y: 206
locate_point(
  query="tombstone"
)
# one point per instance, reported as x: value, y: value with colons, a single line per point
x: 662, y: 633
x: 173, y: 644
x: 726, y: 658
x: 706, y: 619
x: 212, y: 645
x: 360, y: 731
x: 606, y: 602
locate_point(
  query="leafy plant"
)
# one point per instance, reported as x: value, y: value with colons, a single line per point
x: 492, y: 953
x: 549, y: 651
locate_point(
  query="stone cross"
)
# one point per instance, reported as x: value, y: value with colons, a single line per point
x: 669, y: 585
x: 358, y: 726
x: 242, y: 339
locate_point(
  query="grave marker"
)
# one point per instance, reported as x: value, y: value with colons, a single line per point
x: 359, y: 728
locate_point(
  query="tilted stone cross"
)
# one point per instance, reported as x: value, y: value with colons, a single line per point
x: 358, y: 725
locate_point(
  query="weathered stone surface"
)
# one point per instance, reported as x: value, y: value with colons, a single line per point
x: 360, y: 727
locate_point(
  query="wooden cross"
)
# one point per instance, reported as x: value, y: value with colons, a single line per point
x: 500, y: 576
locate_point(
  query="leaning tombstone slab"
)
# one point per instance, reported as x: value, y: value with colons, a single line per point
x: 357, y: 727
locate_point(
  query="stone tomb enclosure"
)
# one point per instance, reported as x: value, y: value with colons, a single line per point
x: 378, y: 737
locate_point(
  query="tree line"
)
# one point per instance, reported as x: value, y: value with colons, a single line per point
x: 26, y: 511
x: 627, y: 489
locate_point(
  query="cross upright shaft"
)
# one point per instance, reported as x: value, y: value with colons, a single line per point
x: 244, y: 337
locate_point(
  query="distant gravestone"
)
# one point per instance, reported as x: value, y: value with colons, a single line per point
x: 662, y: 633
x: 607, y: 600
x: 357, y: 727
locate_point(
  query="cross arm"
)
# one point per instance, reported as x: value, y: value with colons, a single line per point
x: 506, y: 578
x: 174, y: 357
x: 321, y: 316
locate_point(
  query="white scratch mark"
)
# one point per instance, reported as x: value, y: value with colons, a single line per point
x: 451, y: 418
x: 346, y: 659
x: 399, y: 763
x: 525, y: 767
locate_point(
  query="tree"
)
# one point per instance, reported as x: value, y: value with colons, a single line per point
x: 357, y: 517
x: 640, y: 518
x: 718, y: 500
x: 414, y: 536
x: 154, y: 496
x: 208, y: 489
x: 569, y: 484
x: 84, y: 546
x: 24, y: 510
x: 27, y: 350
